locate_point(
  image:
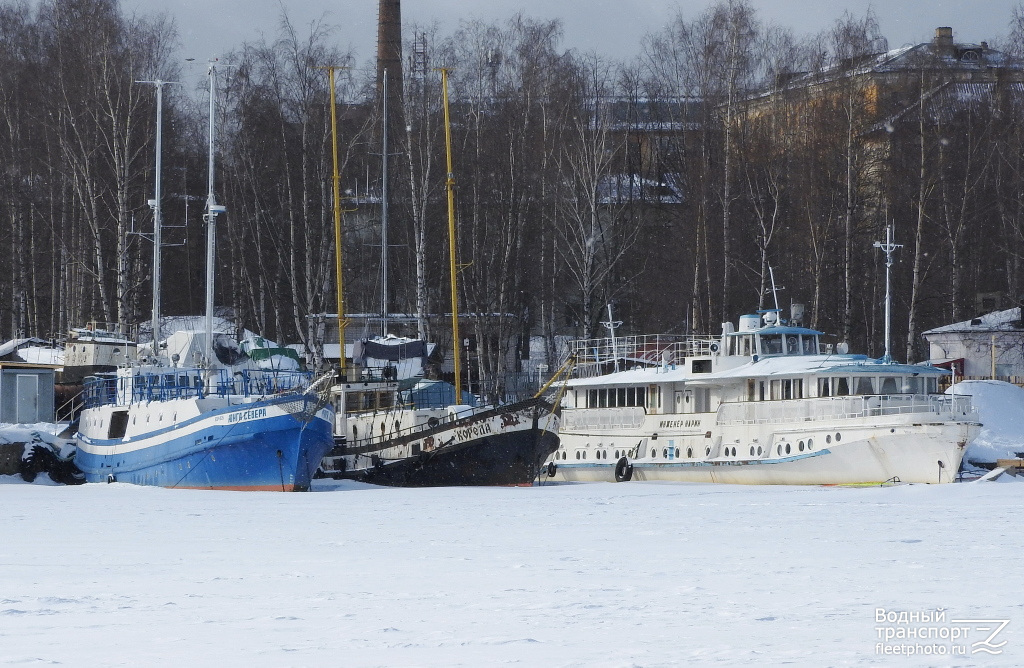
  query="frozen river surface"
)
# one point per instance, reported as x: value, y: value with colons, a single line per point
x: 632, y: 574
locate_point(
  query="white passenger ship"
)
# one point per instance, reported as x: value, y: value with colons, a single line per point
x: 764, y: 403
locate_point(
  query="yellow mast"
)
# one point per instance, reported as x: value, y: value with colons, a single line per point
x: 337, y: 227
x: 450, y: 186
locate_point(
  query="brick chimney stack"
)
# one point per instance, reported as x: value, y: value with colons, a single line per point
x: 943, y: 39
x: 389, y: 49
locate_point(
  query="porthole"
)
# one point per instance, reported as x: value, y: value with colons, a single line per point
x: 564, y: 455
x: 577, y: 454
x: 801, y: 446
x: 677, y: 453
x: 787, y: 448
x: 759, y: 450
x: 616, y: 454
x: 664, y: 453
x: 810, y: 444
x: 751, y: 451
x: 689, y: 453
x: 828, y: 438
x: 584, y: 454
x: 779, y: 449
x: 654, y: 453
x: 707, y: 451
x: 839, y: 437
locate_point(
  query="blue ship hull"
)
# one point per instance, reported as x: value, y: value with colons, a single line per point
x: 264, y: 450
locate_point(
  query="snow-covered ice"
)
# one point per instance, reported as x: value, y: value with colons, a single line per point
x: 630, y: 574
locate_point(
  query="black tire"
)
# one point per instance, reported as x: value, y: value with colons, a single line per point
x: 552, y: 469
x: 623, y: 470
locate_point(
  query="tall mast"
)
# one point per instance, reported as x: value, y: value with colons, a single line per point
x: 450, y: 187
x: 384, y: 211
x: 888, y: 247
x: 155, y: 204
x: 212, y: 211
x: 337, y: 226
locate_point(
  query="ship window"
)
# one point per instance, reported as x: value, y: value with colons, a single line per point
x: 592, y: 399
x: 888, y: 385
x: 912, y: 385
x: 801, y: 446
x: 677, y: 453
x: 828, y: 438
x: 810, y: 444
x: 415, y: 448
x: 701, y: 366
x: 689, y: 453
x: 771, y: 344
x: 778, y: 449
x: 759, y: 450
x: 787, y: 448
x: 865, y: 385
x: 792, y: 344
x: 746, y: 345
x: 654, y: 453
x: 839, y: 437
x: 641, y: 396
x: 577, y: 454
x: 621, y: 397
x: 787, y: 389
x: 842, y: 387
x: 707, y: 451
x: 824, y: 387
x: 809, y: 345
x: 750, y: 389
x: 751, y: 451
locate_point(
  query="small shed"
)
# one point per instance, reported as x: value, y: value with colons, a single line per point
x: 26, y: 393
x: 989, y: 346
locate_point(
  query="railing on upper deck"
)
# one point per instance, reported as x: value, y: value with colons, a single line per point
x: 826, y: 409
x: 594, y: 355
x: 173, y: 383
x: 600, y: 419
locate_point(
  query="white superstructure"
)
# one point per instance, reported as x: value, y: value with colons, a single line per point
x: 763, y: 403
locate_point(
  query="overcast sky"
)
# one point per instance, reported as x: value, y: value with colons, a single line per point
x: 613, y: 28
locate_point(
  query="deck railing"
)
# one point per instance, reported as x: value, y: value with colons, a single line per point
x: 602, y: 419
x: 597, y: 356
x: 182, y: 384
x: 842, y: 408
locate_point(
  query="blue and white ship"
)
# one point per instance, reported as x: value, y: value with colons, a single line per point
x: 230, y: 420
x: 195, y: 427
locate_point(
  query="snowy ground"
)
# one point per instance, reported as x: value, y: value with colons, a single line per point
x: 631, y: 574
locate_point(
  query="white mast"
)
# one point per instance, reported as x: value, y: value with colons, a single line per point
x: 384, y: 212
x: 212, y: 211
x: 612, y: 325
x: 155, y: 205
x: 888, y: 247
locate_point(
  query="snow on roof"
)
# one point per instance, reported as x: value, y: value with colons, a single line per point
x: 997, y: 321
x: 14, y: 344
